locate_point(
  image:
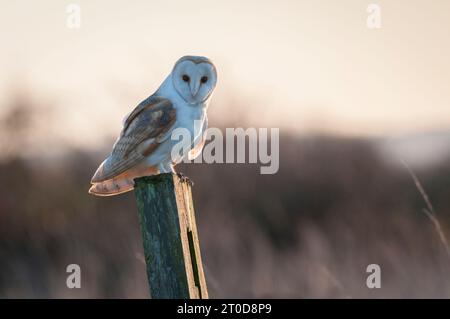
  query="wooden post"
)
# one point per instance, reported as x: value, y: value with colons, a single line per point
x: 169, y: 235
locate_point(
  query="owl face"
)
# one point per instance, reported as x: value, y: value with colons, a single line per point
x: 194, y: 78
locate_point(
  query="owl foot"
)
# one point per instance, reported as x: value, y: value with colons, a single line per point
x: 185, y: 179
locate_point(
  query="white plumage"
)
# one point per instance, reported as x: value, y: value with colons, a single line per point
x: 144, y: 146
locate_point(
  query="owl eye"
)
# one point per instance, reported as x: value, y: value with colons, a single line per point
x: 204, y: 79
x: 186, y: 78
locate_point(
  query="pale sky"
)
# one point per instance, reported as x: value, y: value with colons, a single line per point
x: 304, y: 66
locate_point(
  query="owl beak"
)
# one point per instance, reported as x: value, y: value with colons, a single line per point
x: 195, y: 86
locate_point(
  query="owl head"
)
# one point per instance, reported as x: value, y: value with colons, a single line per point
x: 194, y: 78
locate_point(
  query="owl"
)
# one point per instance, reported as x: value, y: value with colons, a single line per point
x: 145, y: 145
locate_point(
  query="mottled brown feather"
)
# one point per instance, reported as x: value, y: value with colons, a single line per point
x: 151, y: 119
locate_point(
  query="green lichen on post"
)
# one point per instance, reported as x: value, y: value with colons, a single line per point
x: 161, y: 236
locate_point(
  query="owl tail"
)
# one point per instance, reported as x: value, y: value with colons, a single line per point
x: 122, y: 183
x: 111, y: 187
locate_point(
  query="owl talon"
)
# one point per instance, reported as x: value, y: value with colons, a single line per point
x: 185, y: 179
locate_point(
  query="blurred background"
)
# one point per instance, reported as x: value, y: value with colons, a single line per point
x: 351, y: 103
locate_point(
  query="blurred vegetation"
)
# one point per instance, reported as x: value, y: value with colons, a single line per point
x: 309, y: 231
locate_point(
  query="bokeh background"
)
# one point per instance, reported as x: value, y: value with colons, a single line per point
x: 352, y: 105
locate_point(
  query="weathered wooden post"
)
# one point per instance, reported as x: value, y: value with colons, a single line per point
x: 169, y: 235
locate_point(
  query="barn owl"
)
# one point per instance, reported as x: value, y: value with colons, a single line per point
x: 144, y: 145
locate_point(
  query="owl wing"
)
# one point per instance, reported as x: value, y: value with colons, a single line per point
x: 143, y: 131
